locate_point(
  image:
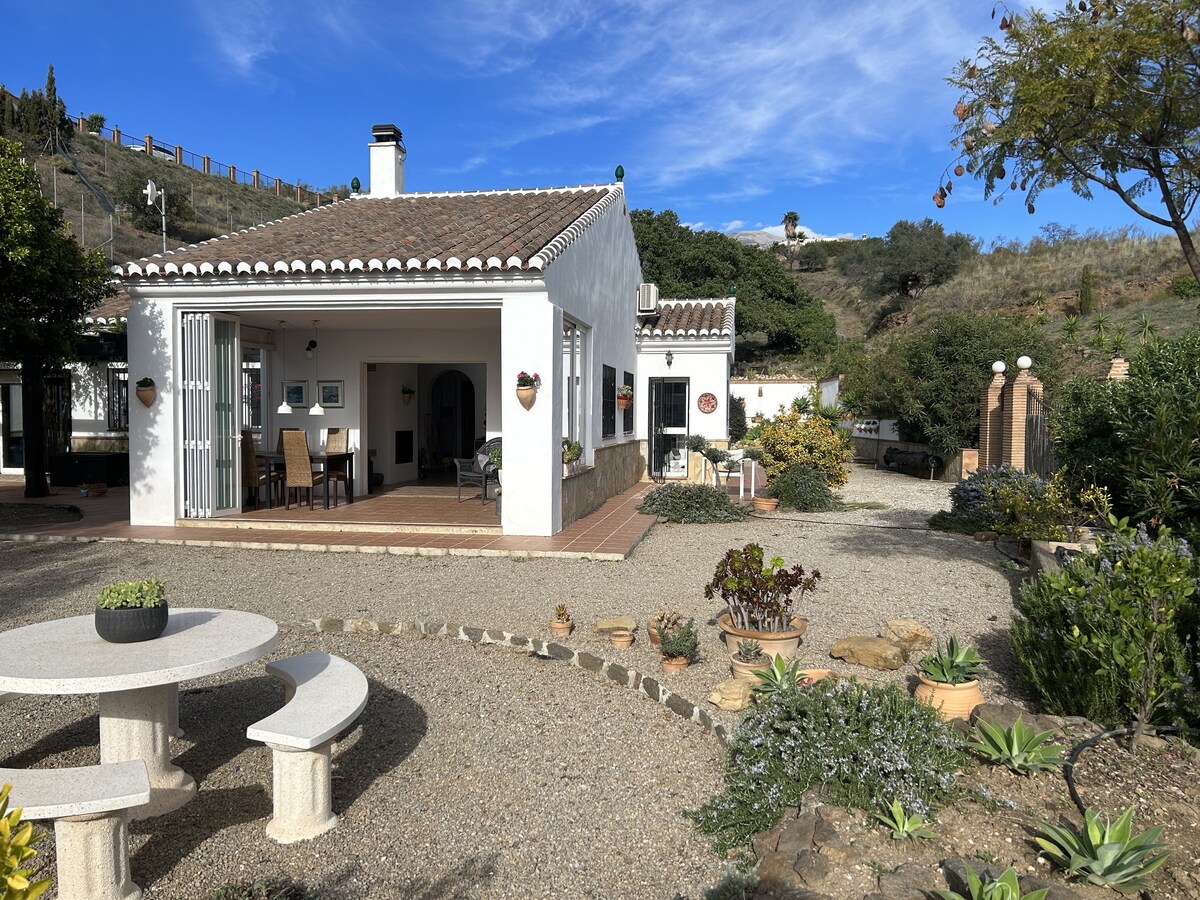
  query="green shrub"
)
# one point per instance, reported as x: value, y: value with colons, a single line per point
x: 862, y: 746
x: 736, y: 884
x: 802, y: 488
x: 737, y: 419
x: 683, y: 643
x: 1108, y: 636
x: 1087, y: 292
x: 692, y: 504
x: 792, y: 438
x: 1021, y: 748
x: 132, y: 594
x: 989, y: 499
x: 1185, y: 287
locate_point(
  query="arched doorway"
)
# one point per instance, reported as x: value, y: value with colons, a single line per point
x: 451, y: 416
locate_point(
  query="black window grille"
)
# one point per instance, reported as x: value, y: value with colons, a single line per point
x: 118, y: 399
x: 608, y: 413
x: 627, y: 412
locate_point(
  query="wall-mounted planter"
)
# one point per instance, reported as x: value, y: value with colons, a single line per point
x: 623, y: 402
x: 147, y: 395
x: 526, y: 396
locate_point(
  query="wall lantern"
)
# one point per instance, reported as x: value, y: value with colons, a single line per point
x: 670, y: 358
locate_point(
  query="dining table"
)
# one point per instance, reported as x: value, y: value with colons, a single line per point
x: 316, y: 457
x: 138, y: 683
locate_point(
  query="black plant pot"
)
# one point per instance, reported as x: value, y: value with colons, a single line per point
x: 130, y: 625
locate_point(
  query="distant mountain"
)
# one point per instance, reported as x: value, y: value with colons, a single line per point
x: 756, y: 238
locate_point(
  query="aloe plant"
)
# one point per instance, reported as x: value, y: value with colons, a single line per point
x: 952, y: 664
x: 903, y: 825
x: 1006, y: 887
x: 1020, y: 747
x: 1106, y: 853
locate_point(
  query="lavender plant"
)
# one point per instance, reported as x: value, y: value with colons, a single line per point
x: 760, y: 597
x: 862, y: 746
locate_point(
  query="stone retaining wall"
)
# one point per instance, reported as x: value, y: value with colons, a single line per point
x: 628, y: 678
x: 616, y: 469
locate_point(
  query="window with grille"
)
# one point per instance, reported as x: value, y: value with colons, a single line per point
x: 627, y: 412
x: 608, y: 406
x: 118, y: 399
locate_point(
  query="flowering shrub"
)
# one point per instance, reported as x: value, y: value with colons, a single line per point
x: 524, y: 379
x: 1113, y: 635
x: 1002, y: 499
x: 791, y: 438
x: 862, y: 746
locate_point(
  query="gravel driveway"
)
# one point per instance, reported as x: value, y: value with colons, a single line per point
x: 476, y: 771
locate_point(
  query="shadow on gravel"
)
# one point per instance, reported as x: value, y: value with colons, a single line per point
x: 35, y: 576
x: 465, y: 881
x: 80, y: 734
x: 389, y: 728
x: 884, y: 543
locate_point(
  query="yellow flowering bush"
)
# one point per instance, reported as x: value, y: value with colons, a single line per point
x: 792, y: 438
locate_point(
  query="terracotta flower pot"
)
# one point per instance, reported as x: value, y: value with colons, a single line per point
x: 813, y: 675
x: 561, y: 629
x: 623, y: 402
x: 652, y: 631
x: 146, y: 395
x: 744, y: 671
x: 526, y: 395
x: 671, y: 665
x: 765, y: 504
x: 621, y: 638
x: 952, y: 701
x: 785, y: 643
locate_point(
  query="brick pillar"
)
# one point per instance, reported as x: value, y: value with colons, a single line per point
x: 179, y: 154
x: 116, y: 135
x: 255, y: 175
x: 233, y: 174
x: 1016, y: 405
x: 80, y: 125
x: 149, y: 141
x: 990, y: 419
x: 278, y: 188
x: 1118, y: 369
x: 207, y: 166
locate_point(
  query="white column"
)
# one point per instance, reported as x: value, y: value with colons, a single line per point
x: 301, y: 793
x: 531, y: 341
x: 93, y: 858
x: 137, y: 724
x: 152, y: 431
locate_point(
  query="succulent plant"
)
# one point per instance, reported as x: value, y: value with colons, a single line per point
x: 132, y: 594
x: 952, y: 664
x: 561, y: 613
x: 749, y: 650
x: 1020, y: 747
x: 1106, y: 853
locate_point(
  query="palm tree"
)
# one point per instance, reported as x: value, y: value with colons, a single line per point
x: 790, y: 220
x: 1071, y: 328
x: 1146, y: 329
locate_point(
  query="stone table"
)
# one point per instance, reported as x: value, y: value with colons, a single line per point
x: 138, y: 683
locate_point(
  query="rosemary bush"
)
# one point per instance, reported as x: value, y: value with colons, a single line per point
x: 802, y: 488
x: 862, y: 746
x: 692, y: 504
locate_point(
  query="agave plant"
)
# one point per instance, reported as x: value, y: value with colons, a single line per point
x: 780, y: 676
x: 952, y: 664
x: 903, y: 825
x: 1106, y: 853
x: 1021, y: 748
x: 1006, y: 887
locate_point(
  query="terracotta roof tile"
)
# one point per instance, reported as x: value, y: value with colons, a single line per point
x: 413, y: 231
x: 690, y: 318
x: 111, y: 308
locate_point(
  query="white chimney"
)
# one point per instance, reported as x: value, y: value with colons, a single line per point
x: 387, y: 161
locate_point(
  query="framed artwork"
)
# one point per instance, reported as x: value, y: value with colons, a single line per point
x: 329, y: 394
x: 295, y: 393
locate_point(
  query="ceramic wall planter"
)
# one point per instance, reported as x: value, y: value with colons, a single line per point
x: 146, y: 395
x: 952, y: 701
x: 765, y: 504
x: 621, y: 638
x: 526, y: 396
x: 784, y: 643
x: 744, y: 671
x: 671, y: 665
x: 561, y: 629
x: 623, y: 402
x: 131, y: 625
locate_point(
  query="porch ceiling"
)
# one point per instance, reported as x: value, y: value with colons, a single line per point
x: 441, y: 319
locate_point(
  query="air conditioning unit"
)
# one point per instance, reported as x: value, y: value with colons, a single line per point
x: 647, y: 299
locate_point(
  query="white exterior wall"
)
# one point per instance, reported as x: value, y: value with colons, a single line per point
x: 595, y: 283
x: 774, y: 395
x: 707, y: 370
x: 153, y: 465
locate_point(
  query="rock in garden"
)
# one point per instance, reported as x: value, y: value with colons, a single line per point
x: 1004, y: 715
x: 986, y: 536
x: 910, y: 881
x: 955, y: 871
x: 872, y: 652
x: 731, y: 695
x: 606, y: 625
x: 777, y: 874
x: 910, y: 634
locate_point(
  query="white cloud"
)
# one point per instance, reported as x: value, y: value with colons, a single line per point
x: 695, y: 226
x: 734, y: 225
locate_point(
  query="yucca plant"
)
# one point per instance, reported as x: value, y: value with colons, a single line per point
x: 1106, y: 853
x: 952, y: 664
x: 1006, y: 887
x: 904, y: 826
x: 1021, y: 748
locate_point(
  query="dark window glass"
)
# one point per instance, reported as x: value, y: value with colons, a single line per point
x: 608, y: 413
x: 627, y: 412
x: 118, y: 399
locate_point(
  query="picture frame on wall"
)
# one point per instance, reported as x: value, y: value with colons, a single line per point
x: 330, y: 394
x: 295, y: 394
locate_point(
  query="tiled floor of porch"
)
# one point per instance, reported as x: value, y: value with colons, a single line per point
x: 609, y: 533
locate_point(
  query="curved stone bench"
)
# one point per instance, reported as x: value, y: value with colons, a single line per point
x: 323, y: 695
x: 89, y: 806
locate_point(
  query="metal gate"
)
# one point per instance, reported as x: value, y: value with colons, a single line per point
x: 1039, y: 450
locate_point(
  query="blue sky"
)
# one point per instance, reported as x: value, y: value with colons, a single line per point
x: 729, y: 113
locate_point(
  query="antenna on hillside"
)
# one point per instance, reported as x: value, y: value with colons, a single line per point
x: 153, y: 193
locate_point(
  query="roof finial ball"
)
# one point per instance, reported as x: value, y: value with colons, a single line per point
x: 620, y: 173
x: 1023, y: 363
x: 998, y: 367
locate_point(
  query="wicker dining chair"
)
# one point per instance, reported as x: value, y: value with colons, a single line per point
x: 255, y: 474
x: 297, y: 465
x: 279, y: 442
x: 337, y: 440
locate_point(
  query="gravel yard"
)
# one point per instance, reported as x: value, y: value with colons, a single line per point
x: 476, y: 771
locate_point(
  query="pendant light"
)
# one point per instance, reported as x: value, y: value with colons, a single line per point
x: 316, y: 409
x: 284, y: 409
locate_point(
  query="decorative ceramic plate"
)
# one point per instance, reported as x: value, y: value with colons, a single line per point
x: 707, y: 403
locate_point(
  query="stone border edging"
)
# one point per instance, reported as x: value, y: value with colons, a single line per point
x: 648, y: 687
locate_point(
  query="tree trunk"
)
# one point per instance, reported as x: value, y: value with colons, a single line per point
x: 33, y: 409
x: 1189, y: 249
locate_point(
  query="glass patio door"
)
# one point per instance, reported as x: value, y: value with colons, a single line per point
x: 211, y: 415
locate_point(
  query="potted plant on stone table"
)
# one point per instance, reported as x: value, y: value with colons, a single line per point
x: 761, y: 598
x: 131, y: 611
x: 679, y: 649
x: 949, y: 680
